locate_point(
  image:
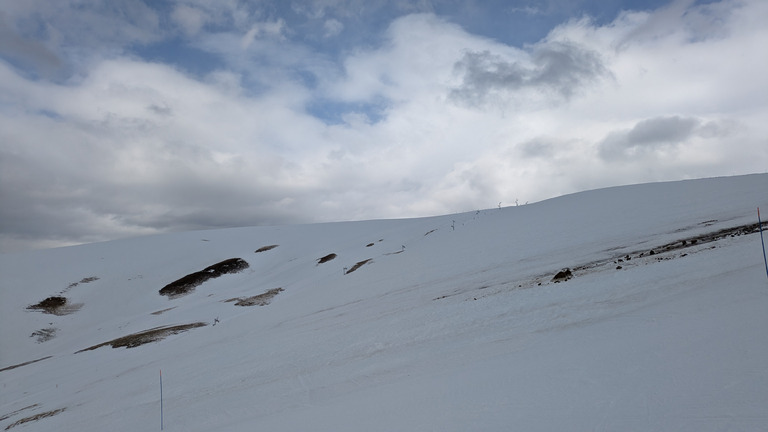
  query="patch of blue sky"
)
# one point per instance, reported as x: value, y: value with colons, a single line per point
x: 180, y: 55
x: 307, y: 79
x: 53, y: 115
x: 333, y: 112
x: 522, y: 23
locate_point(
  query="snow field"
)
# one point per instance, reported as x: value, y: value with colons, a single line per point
x: 453, y: 332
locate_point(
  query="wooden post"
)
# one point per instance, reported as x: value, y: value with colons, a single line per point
x: 760, y: 226
x: 161, y: 399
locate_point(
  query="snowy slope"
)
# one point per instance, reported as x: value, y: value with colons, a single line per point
x: 454, y: 323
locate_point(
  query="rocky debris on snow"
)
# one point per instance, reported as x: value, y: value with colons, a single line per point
x: 667, y: 251
x: 83, y: 281
x: 563, y: 275
x: 712, y: 236
x: 266, y: 248
x: 44, y: 335
x: 257, y: 300
x: 664, y: 252
x: 189, y: 282
x: 146, y: 336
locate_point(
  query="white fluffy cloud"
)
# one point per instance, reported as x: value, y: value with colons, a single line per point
x: 190, y: 19
x: 431, y: 119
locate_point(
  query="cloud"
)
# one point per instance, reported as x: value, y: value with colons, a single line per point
x: 414, y: 58
x: 190, y: 19
x: 332, y: 27
x: 421, y: 118
x: 59, y: 39
x: 273, y: 29
x: 660, y: 23
x: 29, y: 52
x: 661, y: 130
x: 129, y: 153
x: 648, y: 136
x: 558, y: 68
x: 539, y: 147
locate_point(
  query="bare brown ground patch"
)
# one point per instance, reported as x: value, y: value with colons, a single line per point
x: 152, y: 335
x: 188, y: 283
x: 35, y: 417
x: 257, y: 300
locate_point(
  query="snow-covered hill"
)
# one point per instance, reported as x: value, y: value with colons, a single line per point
x: 450, y: 323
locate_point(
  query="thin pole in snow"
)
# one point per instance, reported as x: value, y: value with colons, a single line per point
x: 760, y: 226
x: 161, y: 399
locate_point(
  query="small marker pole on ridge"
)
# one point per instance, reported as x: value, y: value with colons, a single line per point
x: 161, y: 399
x: 760, y: 226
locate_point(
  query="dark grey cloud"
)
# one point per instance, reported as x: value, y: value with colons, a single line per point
x: 64, y: 205
x: 30, y: 53
x: 649, y: 135
x: 539, y: 147
x: 57, y: 38
x: 662, y: 130
x: 556, y: 67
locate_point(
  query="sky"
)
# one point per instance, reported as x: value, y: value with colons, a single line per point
x: 122, y: 118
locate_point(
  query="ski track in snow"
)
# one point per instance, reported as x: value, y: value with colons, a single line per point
x: 451, y: 323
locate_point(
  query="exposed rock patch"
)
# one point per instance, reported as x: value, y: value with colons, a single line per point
x: 563, y: 275
x: 186, y: 284
x: 23, y: 364
x: 146, y: 336
x: 11, y: 414
x: 266, y: 248
x: 50, y: 304
x: 326, y: 258
x: 56, y: 305
x: 257, y: 300
x: 35, y: 417
x: 358, y: 265
x: 162, y: 311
